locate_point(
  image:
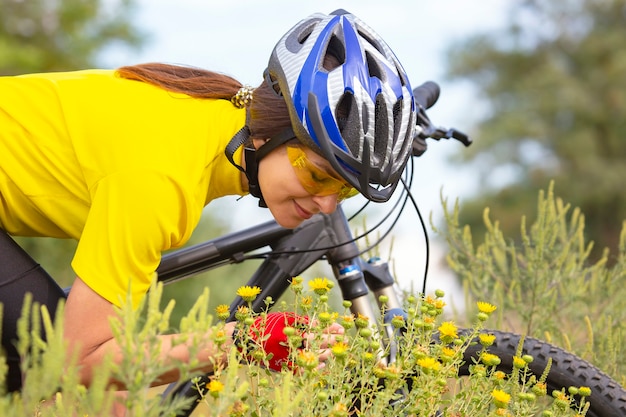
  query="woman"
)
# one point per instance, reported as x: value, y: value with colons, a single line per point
x: 125, y: 161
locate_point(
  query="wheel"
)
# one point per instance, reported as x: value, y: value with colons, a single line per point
x: 608, y: 398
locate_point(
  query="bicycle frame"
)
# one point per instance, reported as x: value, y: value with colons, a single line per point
x: 293, y: 251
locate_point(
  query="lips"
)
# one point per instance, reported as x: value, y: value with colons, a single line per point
x: 302, y: 212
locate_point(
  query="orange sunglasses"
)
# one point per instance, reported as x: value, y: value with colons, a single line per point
x: 315, y: 180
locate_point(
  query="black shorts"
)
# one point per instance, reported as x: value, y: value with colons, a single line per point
x: 20, y: 274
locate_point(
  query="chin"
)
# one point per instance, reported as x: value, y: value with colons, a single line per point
x: 285, y: 220
x: 288, y: 223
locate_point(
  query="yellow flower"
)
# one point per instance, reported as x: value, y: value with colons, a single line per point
x: 248, y: 293
x: 307, y: 359
x: 500, y: 398
x: 368, y: 357
x: 447, y: 332
x: 540, y: 389
x: 223, y: 312
x: 486, y: 339
x: 220, y: 336
x: 339, y: 410
x: 320, y: 286
x: 393, y: 371
x: 296, y: 285
x: 486, y: 308
x: 448, y: 352
x: 499, y: 375
x: 397, y: 321
x: 429, y: 364
x: 361, y: 321
x: 347, y: 321
x: 242, y: 313
x: 215, y: 387
x: 340, y: 349
x: 560, y: 395
x: 518, y: 362
x: 489, y: 359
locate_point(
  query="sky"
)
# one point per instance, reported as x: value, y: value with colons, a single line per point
x: 236, y: 37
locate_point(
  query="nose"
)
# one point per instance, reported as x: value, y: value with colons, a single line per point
x: 326, y: 203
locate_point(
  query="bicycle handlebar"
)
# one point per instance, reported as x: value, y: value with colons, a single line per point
x: 426, y: 95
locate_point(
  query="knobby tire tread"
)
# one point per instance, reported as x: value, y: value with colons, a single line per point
x: 608, y: 398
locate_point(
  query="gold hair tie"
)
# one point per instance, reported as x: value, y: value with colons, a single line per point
x: 243, y: 97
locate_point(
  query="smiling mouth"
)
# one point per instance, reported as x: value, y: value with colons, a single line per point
x: 302, y: 212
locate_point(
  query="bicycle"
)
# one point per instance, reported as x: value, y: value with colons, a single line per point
x: 329, y: 237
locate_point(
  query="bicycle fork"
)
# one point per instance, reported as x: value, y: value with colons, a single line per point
x: 359, y: 280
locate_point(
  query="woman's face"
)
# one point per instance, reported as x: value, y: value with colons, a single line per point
x: 289, y: 202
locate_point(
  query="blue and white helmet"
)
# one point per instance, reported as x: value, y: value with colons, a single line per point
x: 357, y: 109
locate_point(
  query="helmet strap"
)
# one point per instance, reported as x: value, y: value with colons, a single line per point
x: 274, y: 142
x: 252, y: 167
x: 253, y: 156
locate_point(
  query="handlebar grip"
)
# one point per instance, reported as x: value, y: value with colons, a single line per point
x: 426, y: 94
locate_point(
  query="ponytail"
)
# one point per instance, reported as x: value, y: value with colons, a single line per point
x: 267, y: 113
x: 195, y: 82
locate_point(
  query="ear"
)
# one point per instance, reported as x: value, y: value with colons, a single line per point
x: 257, y: 143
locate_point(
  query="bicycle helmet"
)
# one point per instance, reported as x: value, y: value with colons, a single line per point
x: 349, y: 99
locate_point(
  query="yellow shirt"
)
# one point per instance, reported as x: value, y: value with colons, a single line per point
x: 122, y: 166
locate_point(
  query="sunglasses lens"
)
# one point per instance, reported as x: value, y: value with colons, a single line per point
x: 315, y: 180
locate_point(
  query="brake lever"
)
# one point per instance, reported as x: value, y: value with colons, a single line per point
x: 437, y: 133
x: 426, y: 96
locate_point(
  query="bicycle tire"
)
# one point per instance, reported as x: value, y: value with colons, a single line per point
x: 608, y: 398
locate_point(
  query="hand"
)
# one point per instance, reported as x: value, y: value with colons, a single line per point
x: 270, y: 331
x: 329, y: 338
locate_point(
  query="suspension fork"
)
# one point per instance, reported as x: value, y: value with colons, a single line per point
x: 359, y: 280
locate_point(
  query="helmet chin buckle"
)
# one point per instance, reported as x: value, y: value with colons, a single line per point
x: 252, y: 167
x: 252, y: 173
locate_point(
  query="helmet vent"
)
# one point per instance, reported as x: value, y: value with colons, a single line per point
x: 402, y: 75
x: 373, y: 67
x: 349, y: 122
x: 366, y: 36
x: 342, y: 111
x: 335, y: 54
x: 272, y: 82
x: 305, y: 30
x: 303, y: 37
x: 295, y: 40
x: 397, y: 118
x: 381, y: 130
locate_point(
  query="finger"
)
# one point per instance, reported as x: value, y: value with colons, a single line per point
x: 324, y: 355
x: 335, y: 328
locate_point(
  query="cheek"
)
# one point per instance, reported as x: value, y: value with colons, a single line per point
x: 277, y: 179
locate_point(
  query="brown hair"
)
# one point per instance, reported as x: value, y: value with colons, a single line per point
x: 267, y: 114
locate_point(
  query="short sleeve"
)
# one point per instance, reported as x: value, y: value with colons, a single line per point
x: 134, y: 217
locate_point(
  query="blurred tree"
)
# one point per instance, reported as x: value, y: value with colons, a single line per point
x: 57, y: 35
x: 555, y: 88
